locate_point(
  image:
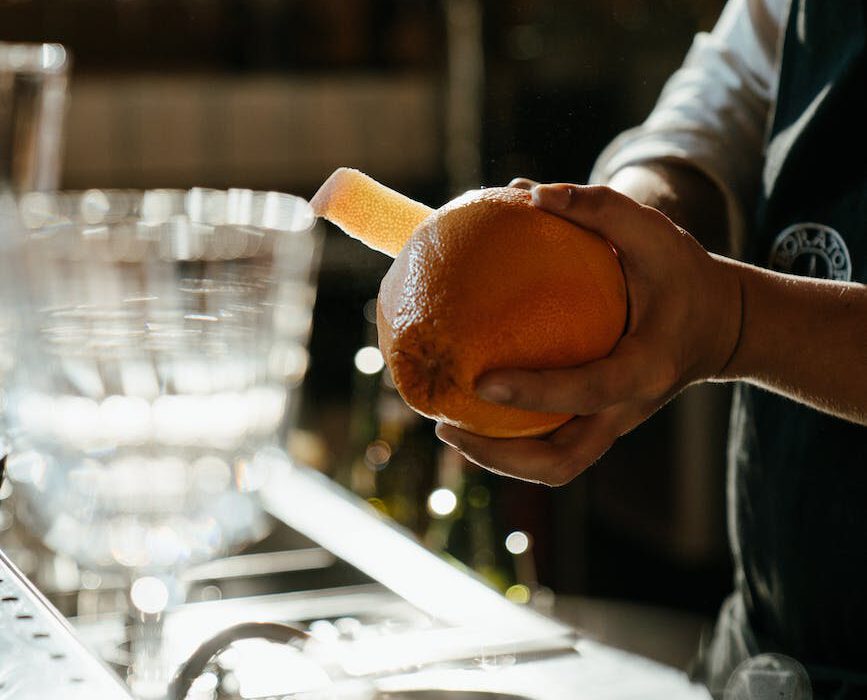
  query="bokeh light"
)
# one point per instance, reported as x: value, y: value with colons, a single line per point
x: 442, y: 502
x: 519, y: 593
x: 377, y: 454
x: 517, y: 542
x: 149, y: 595
x: 368, y: 360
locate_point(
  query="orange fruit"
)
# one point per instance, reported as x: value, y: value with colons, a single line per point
x: 487, y: 281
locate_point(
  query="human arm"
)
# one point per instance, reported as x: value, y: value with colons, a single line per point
x: 707, y: 129
x: 804, y: 338
x: 694, y: 316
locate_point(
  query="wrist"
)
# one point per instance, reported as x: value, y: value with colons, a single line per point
x: 731, y: 319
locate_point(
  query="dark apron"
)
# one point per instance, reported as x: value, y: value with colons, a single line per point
x: 797, y: 477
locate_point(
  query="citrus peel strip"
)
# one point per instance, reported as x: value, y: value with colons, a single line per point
x: 371, y: 212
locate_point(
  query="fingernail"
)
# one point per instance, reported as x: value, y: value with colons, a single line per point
x: 496, y: 393
x: 548, y: 197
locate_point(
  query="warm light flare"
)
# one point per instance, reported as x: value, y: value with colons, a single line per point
x: 442, y: 502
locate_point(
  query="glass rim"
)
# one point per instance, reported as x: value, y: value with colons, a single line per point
x: 261, y: 209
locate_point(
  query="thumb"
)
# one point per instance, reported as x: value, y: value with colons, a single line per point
x: 613, y: 215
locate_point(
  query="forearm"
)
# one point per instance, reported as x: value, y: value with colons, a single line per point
x: 803, y: 338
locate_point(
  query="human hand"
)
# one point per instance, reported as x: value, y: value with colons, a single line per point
x: 683, y: 326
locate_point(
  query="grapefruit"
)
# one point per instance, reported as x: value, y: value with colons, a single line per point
x: 487, y: 281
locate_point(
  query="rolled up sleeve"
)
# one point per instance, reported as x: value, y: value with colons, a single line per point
x: 713, y: 112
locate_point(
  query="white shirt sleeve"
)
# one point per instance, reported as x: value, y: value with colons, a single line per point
x: 713, y: 112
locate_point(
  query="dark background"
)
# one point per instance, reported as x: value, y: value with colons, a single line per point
x: 277, y: 93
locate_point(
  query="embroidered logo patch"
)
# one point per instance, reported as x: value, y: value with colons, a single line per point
x: 811, y: 250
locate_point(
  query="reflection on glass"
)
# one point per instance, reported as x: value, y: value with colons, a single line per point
x: 33, y: 81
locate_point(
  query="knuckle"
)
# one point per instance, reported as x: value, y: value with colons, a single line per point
x: 523, y: 183
x: 585, y: 456
x: 554, y: 480
x: 565, y: 472
x: 531, y: 394
x: 598, y: 197
x: 608, y: 201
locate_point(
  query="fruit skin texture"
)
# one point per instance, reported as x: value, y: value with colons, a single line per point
x: 490, y: 281
x: 365, y: 209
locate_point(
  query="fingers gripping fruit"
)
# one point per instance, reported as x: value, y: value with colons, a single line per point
x: 487, y: 281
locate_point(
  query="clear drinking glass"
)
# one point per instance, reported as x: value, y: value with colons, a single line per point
x: 33, y: 89
x: 161, y: 335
